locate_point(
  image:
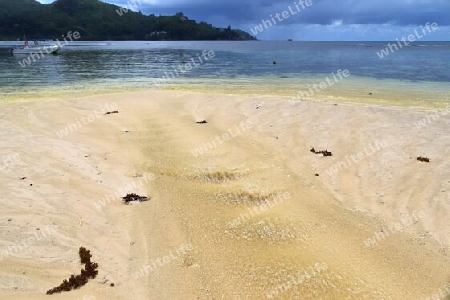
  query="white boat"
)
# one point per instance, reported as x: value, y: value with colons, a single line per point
x: 51, y: 49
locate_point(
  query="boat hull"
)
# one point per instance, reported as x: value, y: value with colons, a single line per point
x: 52, y: 49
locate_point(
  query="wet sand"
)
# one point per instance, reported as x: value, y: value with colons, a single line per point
x: 237, y: 210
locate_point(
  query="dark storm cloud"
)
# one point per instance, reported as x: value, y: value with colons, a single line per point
x: 395, y: 12
x: 329, y: 20
x: 398, y: 12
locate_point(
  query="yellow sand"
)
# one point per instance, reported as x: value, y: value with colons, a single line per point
x: 194, y: 199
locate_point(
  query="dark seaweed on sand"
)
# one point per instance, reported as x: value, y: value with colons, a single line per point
x: 134, y: 197
x: 424, y: 159
x: 75, y: 282
x: 112, y: 112
x: 323, y: 152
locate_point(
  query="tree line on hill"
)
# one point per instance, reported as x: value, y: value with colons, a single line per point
x: 95, y: 20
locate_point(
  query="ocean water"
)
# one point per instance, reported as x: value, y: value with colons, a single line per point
x: 420, y: 72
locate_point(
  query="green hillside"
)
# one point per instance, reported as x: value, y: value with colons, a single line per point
x: 95, y: 20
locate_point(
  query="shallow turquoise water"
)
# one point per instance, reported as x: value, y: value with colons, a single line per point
x: 234, y: 66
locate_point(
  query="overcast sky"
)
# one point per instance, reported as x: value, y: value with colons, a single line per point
x: 323, y: 20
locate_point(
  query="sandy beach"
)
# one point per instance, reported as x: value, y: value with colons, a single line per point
x: 240, y: 207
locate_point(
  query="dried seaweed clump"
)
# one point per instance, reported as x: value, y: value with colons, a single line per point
x: 112, y: 112
x: 134, y: 197
x: 75, y: 282
x: 323, y: 152
x: 85, y: 255
x: 424, y: 159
